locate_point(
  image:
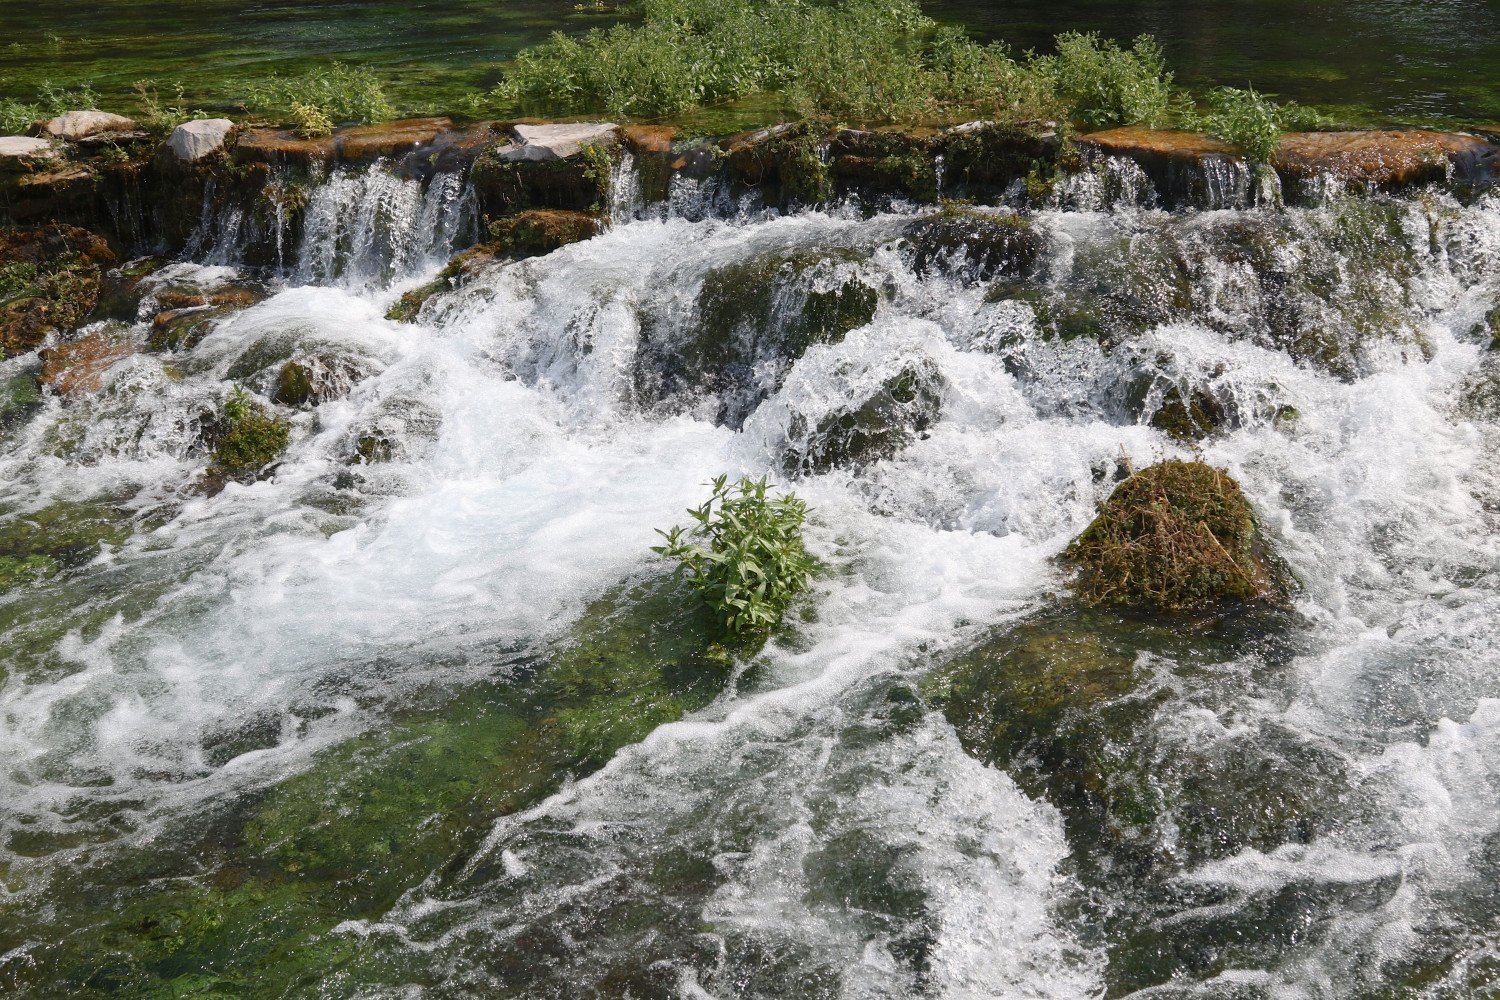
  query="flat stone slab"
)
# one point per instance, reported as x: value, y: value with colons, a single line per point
x: 557, y: 142
x: 1383, y: 157
x: 76, y: 125
x: 1167, y: 144
x: 192, y: 141
x: 24, y: 147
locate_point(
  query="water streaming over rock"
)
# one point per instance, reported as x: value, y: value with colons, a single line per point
x: 474, y: 489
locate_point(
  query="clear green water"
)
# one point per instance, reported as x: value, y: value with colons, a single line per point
x: 1370, y: 60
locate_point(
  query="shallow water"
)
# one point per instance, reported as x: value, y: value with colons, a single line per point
x: 352, y: 730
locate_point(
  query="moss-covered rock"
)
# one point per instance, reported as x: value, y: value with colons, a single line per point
x: 252, y: 901
x: 903, y: 407
x: 983, y: 159
x: 1189, y: 415
x: 41, y: 543
x: 752, y: 318
x: 1175, y: 536
x: 20, y: 396
x: 120, y: 293
x: 188, y: 314
x: 246, y: 438
x: 972, y: 244
x: 880, y: 166
x: 540, y: 231
x: 786, y: 165
x: 506, y: 184
x: 314, y: 379
x: 458, y: 272
x: 50, y: 280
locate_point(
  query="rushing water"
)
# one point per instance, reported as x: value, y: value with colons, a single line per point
x: 269, y: 742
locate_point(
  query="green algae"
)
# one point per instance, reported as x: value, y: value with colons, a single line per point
x: 248, y: 438
x: 42, y: 543
x: 247, y: 904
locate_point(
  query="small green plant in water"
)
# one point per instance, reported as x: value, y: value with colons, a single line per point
x: 337, y: 94
x: 1250, y: 122
x: 1106, y: 84
x: 252, y: 438
x: 744, y: 555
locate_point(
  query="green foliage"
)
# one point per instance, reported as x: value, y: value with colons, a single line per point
x: 751, y: 562
x: 1176, y: 536
x: 1107, y: 85
x: 1251, y: 122
x: 335, y: 94
x: 856, y: 59
x: 17, y: 117
x: 251, y: 437
x: 158, y: 114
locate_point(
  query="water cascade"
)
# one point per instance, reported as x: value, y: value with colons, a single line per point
x: 342, y: 731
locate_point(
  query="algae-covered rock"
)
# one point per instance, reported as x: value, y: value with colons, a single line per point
x: 572, y: 174
x: 458, y: 272
x: 246, y: 438
x: 38, y: 544
x: 785, y: 165
x: 883, y: 165
x: 752, y: 318
x: 314, y: 379
x: 973, y: 244
x: 188, y: 314
x: 1188, y: 413
x: 903, y: 407
x: 983, y: 159
x: 20, y: 396
x: 540, y: 231
x: 1175, y: 536
x: 50, y: 278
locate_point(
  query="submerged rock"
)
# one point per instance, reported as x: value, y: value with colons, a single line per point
x: 973, y: 244
x: 750, y: 320
x: 193, y: 141
x: 903, y: 407
x: 38, y: 544
x: 77, y: 367
x: 1176, y: 536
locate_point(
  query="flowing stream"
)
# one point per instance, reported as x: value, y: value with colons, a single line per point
x: 232, y: 695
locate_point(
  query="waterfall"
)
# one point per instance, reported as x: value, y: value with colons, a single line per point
x: 273, y: 731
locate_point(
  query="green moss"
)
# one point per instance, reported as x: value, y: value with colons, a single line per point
x: 42, y: 543
x: 577, y: 184
x: 294, y: 385
x: 974, y: 244
x: 536, y: 232
x: 904, y: 406
x: 19, y: 396
x: 1174, y: 536
x: 787, y: 166
x: 1189, y: 417
x: 249, y: 439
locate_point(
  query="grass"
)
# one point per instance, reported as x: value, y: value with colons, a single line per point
x: 17, y: 117
x: 751, y: 561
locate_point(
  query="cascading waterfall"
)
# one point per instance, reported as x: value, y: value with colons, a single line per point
x: 233, y: 680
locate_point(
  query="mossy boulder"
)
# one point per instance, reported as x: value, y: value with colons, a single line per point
x: 881, y: 166
x: 902, y: 408
x: 20, y: 396
x: 38, y: 544
x: 458, y: 272
x: 121, y: 291
x: 785, y: 165
x: 314, y: 379
x: 50, y: 280
x: 984, y: 159
x: 246, y: 438
x: 1176, y: 536
x: 750, y: 321
x: 536, y: 232
x: 507, y: 182
x: 973, y: 244
x: 188, y: 314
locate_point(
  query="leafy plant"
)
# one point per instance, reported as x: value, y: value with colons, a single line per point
x: 1251, y: 122
x: 17, y: 117
x: 251, y: 438
x: 1106, y: 85
x: 744, y: 554
x: 311, y: 121
x: 155, y: 114
x: 336, y: 94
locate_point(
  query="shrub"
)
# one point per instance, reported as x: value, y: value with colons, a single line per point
x: 1251, y: 122
x: 251, y: 438
x: 1107, y: 85
x: 334, y: 94
x: 1179, y: 535
x: 745, y: 555
x: 154, y: 114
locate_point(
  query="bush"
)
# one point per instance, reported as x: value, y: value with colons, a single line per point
x: 751, y: 561
x: 1107, y: 85
x: 858, y: 59
x: 1179, y: 535
x: 154, y: 114
x: 1251, y: 122
x: 251, y: 437
x: 335, y: 94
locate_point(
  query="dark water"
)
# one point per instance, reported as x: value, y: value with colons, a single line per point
x: 1370, y: 60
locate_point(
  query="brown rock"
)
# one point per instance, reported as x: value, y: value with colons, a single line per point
x: 52, y: 282
x: 79, y: 366
x: 540, y: 231
x: 1383, y: 158
x: 364, y: 143
x: 283, y: 146
x: 1140, y: 143
x: 649, y: 140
